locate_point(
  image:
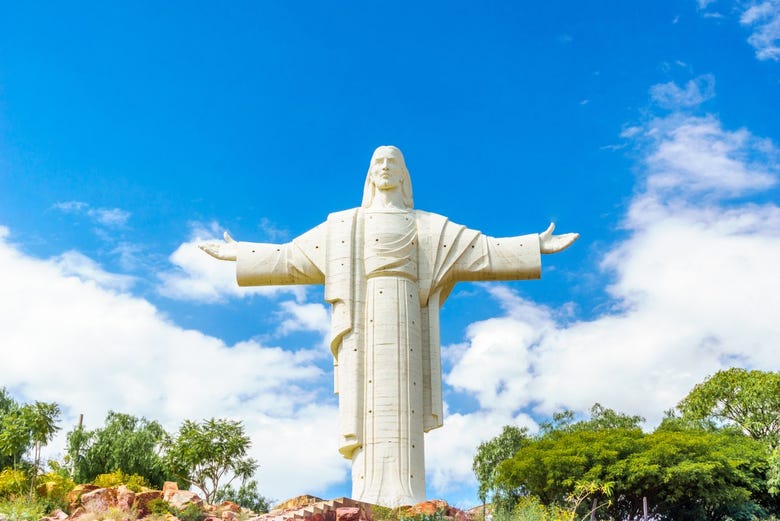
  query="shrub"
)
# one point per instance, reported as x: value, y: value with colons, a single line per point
x: 13, y: 483
x: 134, y: 482
x: 158, y: 507
x: 191, y: 512
x: 53, y: 488
x: 22, y: 508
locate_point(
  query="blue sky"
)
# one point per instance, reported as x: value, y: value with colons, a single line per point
x: 131, y: 131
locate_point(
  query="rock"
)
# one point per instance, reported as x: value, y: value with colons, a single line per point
x: 169, y: 489
x: 349, y: 514
x: 229, y: 515
x: 125, y: 498
x: 228, y: 505
x: 57, y: 515
x: 182, y: 498
x: 74, y: 496
x: 428, y: 508
x: 142, y: 499
x: 99, y: 500
x: 75, y: 514
x: 297, y: 502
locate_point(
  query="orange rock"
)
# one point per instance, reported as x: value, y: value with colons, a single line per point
x: 169, y: 489
x: 74, y: 496
x: 99, y: 500
x: 142, y: 500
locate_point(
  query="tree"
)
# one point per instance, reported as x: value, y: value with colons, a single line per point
x: 748, y: 399
x: 247, y: 496
x: 492, y: 452
x: 686, y: 474
x: 41, y: 419
x: 127, y: 443
x: 210, y: 454
x: 25, y: 427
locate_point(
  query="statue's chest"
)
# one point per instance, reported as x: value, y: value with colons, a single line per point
x: 390, y: 243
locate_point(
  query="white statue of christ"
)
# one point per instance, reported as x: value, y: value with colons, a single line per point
x: 387, y: 269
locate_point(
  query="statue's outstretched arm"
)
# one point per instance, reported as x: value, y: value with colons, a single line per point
x: 549, y: 243
x: 227, y: 250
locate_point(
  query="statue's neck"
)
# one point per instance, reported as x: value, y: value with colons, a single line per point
x: 388, y: 200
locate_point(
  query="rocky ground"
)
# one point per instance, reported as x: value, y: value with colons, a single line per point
x: 91, y: 503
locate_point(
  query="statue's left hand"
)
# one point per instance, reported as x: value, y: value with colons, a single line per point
x: 549, y: 243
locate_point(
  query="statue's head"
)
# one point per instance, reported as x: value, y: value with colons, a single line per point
x: 387, y: 171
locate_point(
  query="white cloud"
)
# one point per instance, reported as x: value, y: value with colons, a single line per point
x: 694, y: 290
x: 197, y: 276
x: 79, y: 341
x: 78, y: 265
x: 694, y: 155
x: 764, y: 20
x: 108, y: 217
x: 696, y: 91
x: 304, y: 317
x: 449, y: 451
x: 112, y: 217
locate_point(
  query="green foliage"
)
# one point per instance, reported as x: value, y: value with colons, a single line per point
x: 157, y: 506
x: 9, y: 452
x: 491, y: 453
x: 22, y: 508
x: 206, y: 453
x: 686, y: 474
x: 53, y: 488
x: 132, y: 445
x: 13, y: 482
x: 247, y: 496
x: 747, y: 399
x: 191, y: 512
x: 134, y: 482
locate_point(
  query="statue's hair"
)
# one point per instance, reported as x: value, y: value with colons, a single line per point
x: 406, y: 184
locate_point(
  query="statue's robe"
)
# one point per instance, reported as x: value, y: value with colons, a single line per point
x: 385, y: 299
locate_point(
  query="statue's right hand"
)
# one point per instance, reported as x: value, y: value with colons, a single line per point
x: 227, y: 250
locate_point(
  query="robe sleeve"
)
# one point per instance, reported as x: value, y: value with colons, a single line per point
x: 300, y: 261
x: 505, y: 258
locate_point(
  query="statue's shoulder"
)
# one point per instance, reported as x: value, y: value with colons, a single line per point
x: 342, y: 215
x: 429, y: 218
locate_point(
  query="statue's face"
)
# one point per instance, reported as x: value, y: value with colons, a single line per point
x: 386, y: 170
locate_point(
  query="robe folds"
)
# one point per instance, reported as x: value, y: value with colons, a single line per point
x: 335, y: 253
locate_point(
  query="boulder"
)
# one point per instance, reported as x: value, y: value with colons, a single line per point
x: 428, y: 508
x: 169, y: 489
x: 142, y: 499
x: 99, y: 500
x: 229, y: 515
x: 74, y: 495
x: 182, y: 498
x: 296, y: 503
x: 349, y: 514
x: 228, y: 505
x: 75, y: 514
x: 125, y: 498
x: 57, y: 515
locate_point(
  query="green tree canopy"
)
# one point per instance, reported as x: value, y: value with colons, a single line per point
x: 210, y: 454
x: 748, y: 399
x: 127, y: 443
x: 686, y: 473
x: 492, y: 452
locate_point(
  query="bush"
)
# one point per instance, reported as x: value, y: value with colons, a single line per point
x: 13, y: 483
x: 22, y: 508
x: 158, y: 507
x: 134, y: 482
x: 53, y: 488
x: 191, y: 512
